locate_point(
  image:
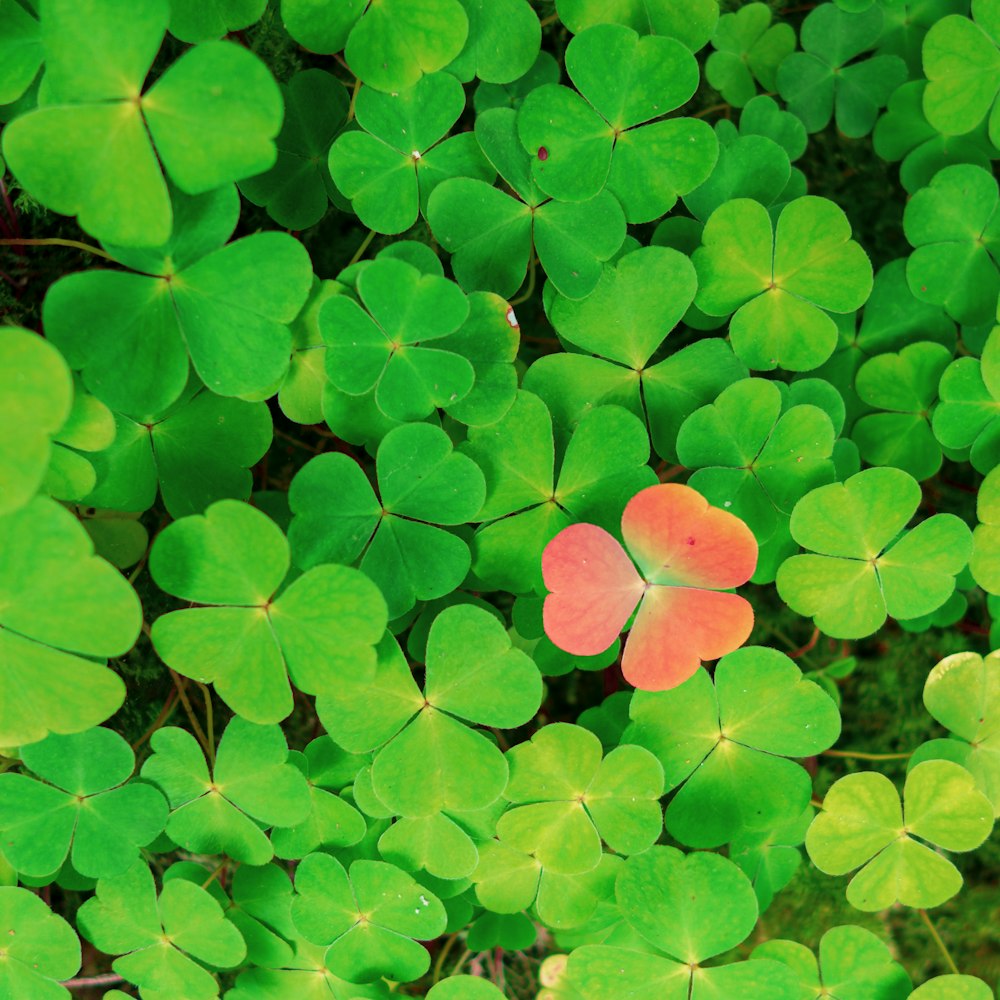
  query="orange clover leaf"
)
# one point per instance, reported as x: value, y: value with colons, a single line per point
x: 686, y: 551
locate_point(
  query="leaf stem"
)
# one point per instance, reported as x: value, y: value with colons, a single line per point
x: 192, y: 718
x: 365, y: 243
x: 88, y: 982
x: 942, y: 947
x: 860, y: 755
x: 168, y: 709
x: 211, y: 878
x: 354, y: 96
x: 531, y: 285
x: 209, y: 723
x: 442, y: 955
x: 551, y: 19
x: 711, y: 109
x: 55, y: 241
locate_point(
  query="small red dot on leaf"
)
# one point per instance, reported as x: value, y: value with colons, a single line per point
x: 543, y: 153
x: 923, y: 288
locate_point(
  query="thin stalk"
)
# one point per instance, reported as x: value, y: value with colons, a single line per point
x: 88, y: 982
x: 209, y: 723
x: 942, y: 947
x: 168, y: 709
x: 859, y: 755
x: 55, y: 241
x: 211, y: 878
x: 442, y: 955
x: 531, y: 285
x: 192, y: 718
x: 365, y: 243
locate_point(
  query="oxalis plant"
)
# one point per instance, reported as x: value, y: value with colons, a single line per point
x: 484, y: 487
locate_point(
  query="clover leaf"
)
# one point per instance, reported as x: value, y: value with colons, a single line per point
x: 725, y: 747
x: 862, y: 826
x: 851, y: 960
x: 295, y: 190
x: 338, y: 517
x: 962, y: 64
x: 582, y: 142
x: 755, y: 457
x: 748, y: 48
x: 95, y: 148
x: 527, y: 504
x: 227, y: 307
x: 368, y: 917
x: 963, y: 693
x: 472, y: 218
x: 686, y: 551
x: 464, y: 988
x: 954, y: 228
x: 82, y: 802
x: 36, y: 398
x: 904, y: 387
x: 861, y: 569
x: 62, y: 609
x: 953, y: 988
x: 21, y: 51
x: 195, y: 21
x: 781, y: 280
x: 161, y: 939
x: 503, y: 41
x: 251, y: 786
x: 473, y: 675
x: 826, y: 79
x: 245, y: 640
x: 566, y: 799
x: 985, y: 561
x: 691, y: 23
x: 39, y: 947
x: 770, y: 858
x: 389, y: 169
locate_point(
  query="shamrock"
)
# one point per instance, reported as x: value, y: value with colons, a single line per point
x: 82, y: 801
x: 161, y: 939
x: 234, y: 559
x: 295, y: 190
x: 95, y: 148
x: 473, y: 675
x: 727, y: 744
x: 368, y: 917
x: 954, y: 227
x: 962, y: 64
x: 603, y: 138
x: 826, y: 79
x: 227, y: 307
x: 251, y: 786
x: 566, y: 799
x: 754, y: 456
x: 863, y: 568
x: 748, y: 49
x: 338, y: 517
x: 963, y: 693
x: 38, y: 949
x: 685, y: 549
x: 36, y: 398
x: 782, y: 280
x: 61, y: 609
x: 389, y: 169
x: 851, y: 960
x: 688, y: 908
x: 527, y: 504
x: 862, y: 826
x: 471, y: 218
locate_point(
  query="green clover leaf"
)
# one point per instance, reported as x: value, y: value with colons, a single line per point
x: 503, y: 42
x: 963, y: 693
x: 953, y: 988
x: 904, y: 387
x: 94, y: 149
x: 566, y: 799
x: 782, y: 280
x: 389, y: 169
x: 852, y: 961
x: 962, y: 64
x: 487, y: 96
x: 985, y: 561
x: 295, y: 191
x: 863, y: 826
x: 748, y: 48
x: 472, y: 219
x: 82, y: 802
x: 39, y: 947
x: 196, y: 21
x: 771, y: 858
x: 754, y: 456
x: 368, y: 918
x: 248, y: 642
x: 600, y: 138
x: 464, y: 988
x: 252, y: 786
x: 158, y: 452
x: 726, y: 746
x: 526, y: 504
x: 21, y: 51
x: 473, y: 676
x: 36, y: 400
x: 863, y: 569
x: 162, y: 940
x: 826, y: 79
x: 338, y: 517
x: 954, y: 228
x: 62, y: 609
x: 227, y: 307
x: 690, y: 22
